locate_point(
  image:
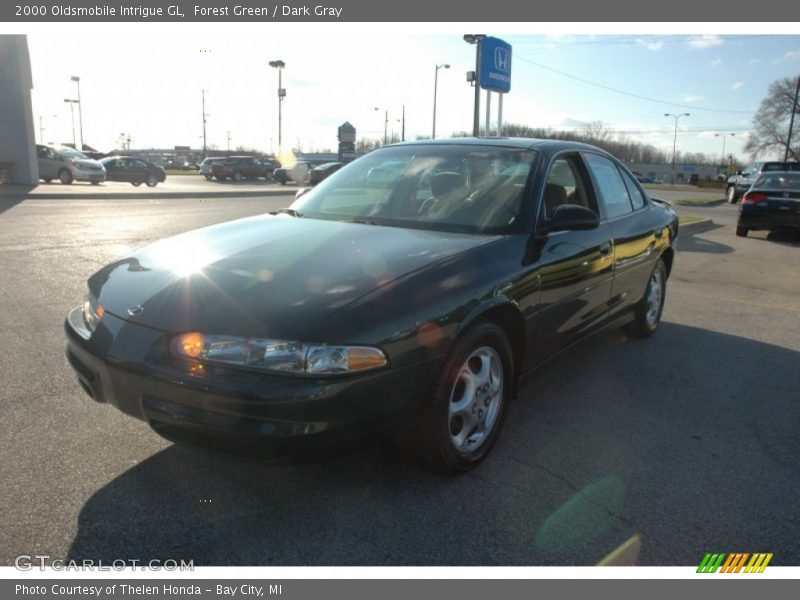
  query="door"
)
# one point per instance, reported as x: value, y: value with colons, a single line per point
x: 575, y: 267
x: 113, y: 170
x: 138, y: 170
x: 637, y: 232
x: 49, y: 162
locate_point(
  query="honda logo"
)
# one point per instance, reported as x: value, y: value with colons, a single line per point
x: 502, y: 60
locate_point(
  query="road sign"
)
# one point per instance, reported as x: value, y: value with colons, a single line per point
x: 347, y: 133
x: 495, y: 66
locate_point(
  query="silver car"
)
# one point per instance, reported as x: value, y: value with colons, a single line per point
x: 205, y: 167
x: 68, y: 165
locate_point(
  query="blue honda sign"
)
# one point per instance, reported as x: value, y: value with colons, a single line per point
x: 495, y: 67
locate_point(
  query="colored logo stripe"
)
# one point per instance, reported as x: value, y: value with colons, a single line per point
x: 734, y: 562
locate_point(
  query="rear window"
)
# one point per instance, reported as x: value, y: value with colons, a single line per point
x: 779, y: 180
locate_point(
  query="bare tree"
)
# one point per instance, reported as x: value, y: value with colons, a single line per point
x: 771, y: 123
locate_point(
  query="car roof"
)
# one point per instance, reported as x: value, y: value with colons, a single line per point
x: 548, y: 146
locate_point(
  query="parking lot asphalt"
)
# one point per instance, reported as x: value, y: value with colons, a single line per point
x: 688, y: 440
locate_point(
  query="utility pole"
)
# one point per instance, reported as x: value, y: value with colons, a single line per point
x: 403, y: 130
x: 791, y: 121
x: 675, y: 139
x: 41, y: 131
x: 229, y: 143
x: 77, y: 80
x: 203, y: 92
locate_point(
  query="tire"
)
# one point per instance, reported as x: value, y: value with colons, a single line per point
x: 448, y: 437
x: 237, y: 176
x: 648, y: 310
x: 47, y: 179
x: 208, y: 177
x: 152, y: 180
x: 742, y: 231
x: 136, y: 183
x: 95, y: 183
x: 221, y: 177
x: 282, y: 179
x: 730, y: 194
x: 65, y: 176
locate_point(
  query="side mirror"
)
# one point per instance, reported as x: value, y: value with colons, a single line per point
x: 571, y: 217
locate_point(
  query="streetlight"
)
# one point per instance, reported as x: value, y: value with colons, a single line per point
x: 205, y: 114
x: 77, y: 80
x: 435, y: 86
x: 477, y: 39
x: 72, y: 104
x: 279, y: 64
x: 724, y: 136
x: 385, y: 125
x: 675, y: 139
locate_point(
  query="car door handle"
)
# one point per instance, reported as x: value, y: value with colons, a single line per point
x: 605, y: 248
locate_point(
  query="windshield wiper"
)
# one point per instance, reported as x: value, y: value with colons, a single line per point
x: 287, y: 211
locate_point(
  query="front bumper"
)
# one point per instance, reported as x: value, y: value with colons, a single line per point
x: 126, y: 365
x: 87, y: 175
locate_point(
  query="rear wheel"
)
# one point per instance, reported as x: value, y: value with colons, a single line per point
x: 65, y: 176
x: 152, y: 180
x: 95, y: 183
x: 649, y: 308
x: 742, y: 231
x: 136, y: 183
x: 47, y: 179
x: 461, y: 424
x: 208, y: 177
x: 730, y: 194
x: 238, y: 176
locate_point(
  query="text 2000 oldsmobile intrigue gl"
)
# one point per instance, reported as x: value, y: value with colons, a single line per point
x: 414, y: 286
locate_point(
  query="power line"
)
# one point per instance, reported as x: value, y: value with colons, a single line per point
x: 625, y: 93
x: 638, y: 40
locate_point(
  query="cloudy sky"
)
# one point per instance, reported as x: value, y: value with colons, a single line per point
x: 145, y: 80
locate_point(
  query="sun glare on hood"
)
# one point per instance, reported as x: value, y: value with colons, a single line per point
x: 182, y: 258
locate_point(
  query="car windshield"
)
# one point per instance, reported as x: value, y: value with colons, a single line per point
x: 466, y: 188
x: 779, y: 180
x: 71, y: 153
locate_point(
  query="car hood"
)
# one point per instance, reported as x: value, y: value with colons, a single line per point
x: 270, y: 276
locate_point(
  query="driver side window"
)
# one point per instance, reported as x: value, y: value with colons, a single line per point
x: 565, y: 185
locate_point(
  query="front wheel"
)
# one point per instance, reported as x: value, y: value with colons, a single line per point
x: 65, y: 176
x: 152, y: 181
x: 461, y: 424
x: 742, y: 231
x: 730, y: 194
x: 648, y: 309
x: 136, y: 183
x: 238, y: 176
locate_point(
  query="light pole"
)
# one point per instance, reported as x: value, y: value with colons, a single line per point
x: 279, y: 64
x: 724, y: 136
x: 229, y: 143
x: 675, y: 139
x: 72, y: 104
x: 385, y: 125
x: 477, y: 39
x: 77, y: 80
x: 435, y: 86
x: 203, y: 92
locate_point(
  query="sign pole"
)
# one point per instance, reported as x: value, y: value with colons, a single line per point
x: 476, y: 123
x: 500, y: 115
x: 487, y: 129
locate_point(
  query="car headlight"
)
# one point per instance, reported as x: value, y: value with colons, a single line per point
x: 92, y: 312
x: 277, y: 355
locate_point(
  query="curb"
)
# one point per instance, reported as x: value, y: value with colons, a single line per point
x: 696, y: 226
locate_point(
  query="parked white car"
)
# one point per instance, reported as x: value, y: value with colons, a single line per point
x: 68, y: 165
x: 205, y: 166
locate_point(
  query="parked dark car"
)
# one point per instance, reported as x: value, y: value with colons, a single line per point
x: 738, y: 184
x: 694, y: 179
x: 242, y: 167
x: 298, y: 172
x: 772, y: 203
x: 411, y: 307
x: 319, y: 173
x: 133, y: 170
